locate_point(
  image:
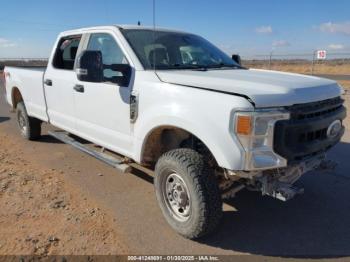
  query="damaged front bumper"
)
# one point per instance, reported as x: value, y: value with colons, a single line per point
x: 279, y: 183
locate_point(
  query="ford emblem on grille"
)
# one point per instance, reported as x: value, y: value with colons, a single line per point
x: 334, y: 129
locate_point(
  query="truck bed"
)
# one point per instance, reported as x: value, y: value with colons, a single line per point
x: 30, y: 79
x: 34, y: 68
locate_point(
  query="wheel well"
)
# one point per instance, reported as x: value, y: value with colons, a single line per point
x: 166, y: 138
x: 16, y: 97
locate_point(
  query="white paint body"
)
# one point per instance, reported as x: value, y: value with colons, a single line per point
x: 101, y: 113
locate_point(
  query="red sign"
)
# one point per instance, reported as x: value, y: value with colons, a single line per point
x: 321, y: 54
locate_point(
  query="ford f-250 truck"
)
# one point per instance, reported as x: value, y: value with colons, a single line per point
x: 173, y: 102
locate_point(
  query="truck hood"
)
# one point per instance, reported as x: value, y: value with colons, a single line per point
x: 264, y: 87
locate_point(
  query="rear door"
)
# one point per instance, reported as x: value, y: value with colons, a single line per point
x: 103, y: 109
x: 59, y: 81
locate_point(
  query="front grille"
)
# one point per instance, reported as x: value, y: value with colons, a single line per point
x: 313, y: 135
x: 305, y: 133
x: 316, y: 109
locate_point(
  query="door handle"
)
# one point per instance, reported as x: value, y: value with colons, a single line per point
x: 79, y: 88
x: 48, y: 82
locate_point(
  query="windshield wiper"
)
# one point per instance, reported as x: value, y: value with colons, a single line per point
x: 204, y: 67
x: 183, y: 66
x: 201, y: 67
x: 222, y: 65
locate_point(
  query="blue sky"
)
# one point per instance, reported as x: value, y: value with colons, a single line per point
x: 250, y: 27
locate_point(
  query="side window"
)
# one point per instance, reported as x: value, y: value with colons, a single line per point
x: 111, y: 53
x: 66, y: 52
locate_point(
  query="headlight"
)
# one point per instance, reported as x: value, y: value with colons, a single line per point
x: 255, y: 131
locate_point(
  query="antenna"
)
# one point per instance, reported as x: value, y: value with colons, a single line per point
x: 154, y: 35
x: 154, y: 15
x: 154, y: 40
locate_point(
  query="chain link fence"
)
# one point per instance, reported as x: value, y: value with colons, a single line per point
x: 305, y: 63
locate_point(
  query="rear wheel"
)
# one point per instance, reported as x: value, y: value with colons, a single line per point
x: 30, y: 127
x: 188, y: 193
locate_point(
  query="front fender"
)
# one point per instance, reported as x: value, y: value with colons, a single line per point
x: 211, y: 123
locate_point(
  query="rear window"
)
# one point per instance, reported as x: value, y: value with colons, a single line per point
x: 66, y: 52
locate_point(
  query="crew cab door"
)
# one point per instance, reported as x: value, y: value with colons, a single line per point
x: 59, y: 80
x: 103, y: 109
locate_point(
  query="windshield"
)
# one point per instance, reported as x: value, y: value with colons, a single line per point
x: 173, y: 50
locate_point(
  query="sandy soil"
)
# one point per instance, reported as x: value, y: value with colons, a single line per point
x: 345, y: 84
x: 43, y: 215
x: 327, y: 68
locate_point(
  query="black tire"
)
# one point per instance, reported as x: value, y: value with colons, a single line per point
x: 204, y: 198
x: 30, y: 127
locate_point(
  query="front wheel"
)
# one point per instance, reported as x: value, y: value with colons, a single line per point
x: 188, y: 193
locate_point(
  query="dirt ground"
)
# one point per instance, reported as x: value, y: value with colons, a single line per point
x: 345, y: 84
x: 327, y: 68
x: 43, y: 215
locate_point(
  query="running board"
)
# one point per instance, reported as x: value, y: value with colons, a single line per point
x: 110, y: 160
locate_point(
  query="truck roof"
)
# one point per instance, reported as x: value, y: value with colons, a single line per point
x: 85, y: 29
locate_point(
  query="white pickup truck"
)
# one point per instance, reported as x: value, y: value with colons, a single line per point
x: 173, y: 102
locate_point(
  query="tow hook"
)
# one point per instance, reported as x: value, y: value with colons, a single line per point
x: 285, y: 191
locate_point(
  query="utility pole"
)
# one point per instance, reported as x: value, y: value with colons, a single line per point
x: 270, y: 60
x: 313, y: 62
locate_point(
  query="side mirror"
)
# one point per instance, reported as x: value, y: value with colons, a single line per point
x: 122, y: 76
x: 90, y: 66
x: 237, y: 59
